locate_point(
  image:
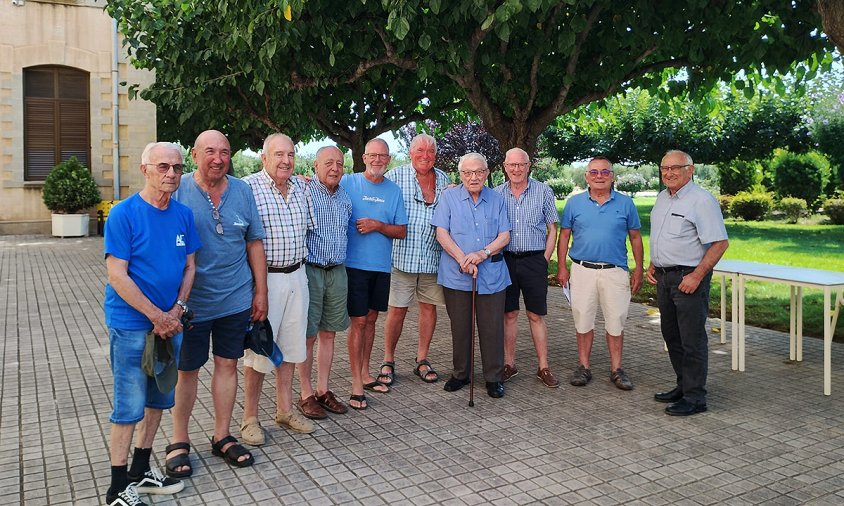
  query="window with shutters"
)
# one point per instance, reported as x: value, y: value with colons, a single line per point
x: 56, y: 118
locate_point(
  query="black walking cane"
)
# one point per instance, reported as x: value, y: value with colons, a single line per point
x: 472, y: 352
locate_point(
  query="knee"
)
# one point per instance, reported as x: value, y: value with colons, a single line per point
x: 225, y: 365
x: 511, y: 316
x: 535, y: 318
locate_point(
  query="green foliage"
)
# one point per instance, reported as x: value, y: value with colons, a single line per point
x: 738, y: 176
x: 828, y: 132
x: 724, y: 202
x: 793, y: 208
x: 631, y: 183
x: 245, y: 164
x: 801, y: 175
x: 561, y: 187
x: 70, y: 188
x: 546, y: 168
x: 834, y: 208
x: 751, y: 206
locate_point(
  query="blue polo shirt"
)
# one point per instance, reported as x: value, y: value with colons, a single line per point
x: 472, y: 226
x: 599, y: 231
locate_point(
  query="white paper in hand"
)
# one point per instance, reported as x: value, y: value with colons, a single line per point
x: 567, y: 295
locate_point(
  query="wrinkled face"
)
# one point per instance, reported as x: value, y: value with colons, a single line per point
x: 599, y: 175
x: 517, y: 166
x: 212, y: 155
x: 422, y: 156
x: 472, y: 175
x: 163, y: 172
x: 328, y: 167
x: 279, y: 159
x: 376, y: 158
x: 675, y: 171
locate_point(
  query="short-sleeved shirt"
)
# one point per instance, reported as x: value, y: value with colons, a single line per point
x: 530, y: 214
x: 327, y: 241
x: 382, y: 202
x: 599, y: 231
x: 472, y: 226
x: 223, y: 282
x: 286, y: 220
x: 419, y: 252
x: 684, y: 225
x: 156, y: 243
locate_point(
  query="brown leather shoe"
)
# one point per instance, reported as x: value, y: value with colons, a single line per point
x: 547, y: 378
x: 330, y: 403
x: 509, y: 372
x: 311, y: 408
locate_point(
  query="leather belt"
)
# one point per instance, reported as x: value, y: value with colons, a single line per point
x: 673, y: 268
x: 286, y: 270
x: 323, y: 267
x: 590, y: 265
x: 524, y: 254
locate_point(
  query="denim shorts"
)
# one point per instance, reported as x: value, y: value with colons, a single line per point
x: 133, y: 389
x: 226, y: 335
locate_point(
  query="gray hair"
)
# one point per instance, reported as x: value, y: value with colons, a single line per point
x: 423, y: 138
x: 166, y: 145
x: 471, y: 156
x: 378, y: 139
x: 273, y: 137
x: 320, y: 150
x: 685, y: 155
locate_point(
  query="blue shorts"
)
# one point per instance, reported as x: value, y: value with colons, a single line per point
x: 367, y: 290
x: 133, y: 389
x: 227, y: 334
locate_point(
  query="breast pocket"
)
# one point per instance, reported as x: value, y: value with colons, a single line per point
x: 678, y: 225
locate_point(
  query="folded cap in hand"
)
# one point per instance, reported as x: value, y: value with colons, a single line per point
x: 159, y: 362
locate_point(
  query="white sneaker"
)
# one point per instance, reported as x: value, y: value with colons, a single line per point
x: 154, y: 482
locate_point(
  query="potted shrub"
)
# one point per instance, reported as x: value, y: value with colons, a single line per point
x: 68, y: 189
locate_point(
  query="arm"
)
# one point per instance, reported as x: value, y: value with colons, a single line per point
x: 562, y: 251
x: 367, y: 225
x: 550, y: 241
x: 258, y: 264
x: 187, y: 277
x: 710, y: 258
x: 449, y: 246
x: 638, y: 257
x: 496, y: 246
x: 165, y: 324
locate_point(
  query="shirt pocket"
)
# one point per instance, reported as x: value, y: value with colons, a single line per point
x: 677, y: 224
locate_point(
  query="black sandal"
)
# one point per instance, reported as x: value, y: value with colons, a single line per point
x: 181, y: 460
x: 234, y: 452
x: 360, y: 399
x: 424, y: 363
x: 391, y: 376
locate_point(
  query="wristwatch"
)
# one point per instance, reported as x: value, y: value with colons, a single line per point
x: 182, y: 304
x: 487, y: 252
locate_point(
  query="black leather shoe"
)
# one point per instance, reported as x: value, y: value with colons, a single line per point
x: 495, y: 389
x: 453, y: 384
x: 670, y: 396
x: 685, y: 408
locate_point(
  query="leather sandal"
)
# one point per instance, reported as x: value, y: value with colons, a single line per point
x: 175, y: 462
x: 424, y: 376
x: 233, y: 453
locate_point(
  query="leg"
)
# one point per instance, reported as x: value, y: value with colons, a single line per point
x: 223, y: 392
x: 305, y: 369
x: 325, y: 355
x: 458, y: 305
x: 539, y: 333
x: 148, y: 427
x: 692, y: 311
x: 490, y: 322
x: 368, y: 340
x: 614, y: 346
x: 668, y: 320
x: 284, y: 387
x: 120, y: 439
x: 355, y: 344
x: 392, y: 331
x: 253, y: 382
x: 185, y: 399
x: 584, y: 347
x: 511, y: 330
x: 427, y: 325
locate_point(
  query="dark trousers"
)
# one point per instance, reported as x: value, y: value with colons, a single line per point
x: 489, y: 315
x: 683, y: 323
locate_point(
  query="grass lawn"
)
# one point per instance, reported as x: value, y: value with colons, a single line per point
x: 773, y: 242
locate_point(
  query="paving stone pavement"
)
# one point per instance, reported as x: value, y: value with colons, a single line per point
x: 770, y: 435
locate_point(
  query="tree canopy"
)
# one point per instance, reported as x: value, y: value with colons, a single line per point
x: 251, y: 66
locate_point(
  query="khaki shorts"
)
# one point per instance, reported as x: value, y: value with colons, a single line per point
x: 405, y: 286
x: 608, y: 287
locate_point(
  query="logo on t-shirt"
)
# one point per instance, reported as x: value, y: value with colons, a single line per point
x: 180, y: 240
x: 367, y: 198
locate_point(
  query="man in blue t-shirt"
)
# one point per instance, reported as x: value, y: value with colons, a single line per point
x: 150, y: 243
x: 378, y: 217
x: 598, y: 222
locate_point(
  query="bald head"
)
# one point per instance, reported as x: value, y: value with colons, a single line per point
x: 212, y: 154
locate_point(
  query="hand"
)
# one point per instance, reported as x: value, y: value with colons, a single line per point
x: 474, y: 258
x: 304, y: 178
x: 636, y: 282
x: 470, y: 269
x: 690, y: 282
x: 650, y: 274
x: 259, y: 307
x: 367, y: 225
x: 166, y: 324
x: 562, y: 274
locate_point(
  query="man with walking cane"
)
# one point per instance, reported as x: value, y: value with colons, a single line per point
x: 473, y: 229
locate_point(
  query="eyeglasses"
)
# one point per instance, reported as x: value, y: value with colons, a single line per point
x: 603, y: 172
x: 673, y: 168
x: 517, y: 165
x: 381, y: 156
x: 471, y: 173
x: 164, y: 168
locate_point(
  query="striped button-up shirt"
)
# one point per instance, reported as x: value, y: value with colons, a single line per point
x: 286, y: 220
x: 328, y: 240
x: 419, y: 251
x: 529, y: 213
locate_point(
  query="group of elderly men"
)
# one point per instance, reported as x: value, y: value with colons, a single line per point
x: 327, y: 254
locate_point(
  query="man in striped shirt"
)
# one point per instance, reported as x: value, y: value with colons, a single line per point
x: 533, y: 216
x: 286, y: 214
x: 327, y: 281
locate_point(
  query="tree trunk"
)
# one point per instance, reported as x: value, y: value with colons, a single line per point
x: 832, y: 17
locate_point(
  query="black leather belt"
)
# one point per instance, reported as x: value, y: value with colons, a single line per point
x: 323, y: 267
x: 590, y: 265
x: 286, y: 270
x: 673, y: 268
x: 524, y: 254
